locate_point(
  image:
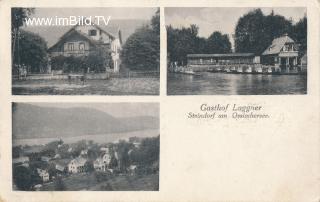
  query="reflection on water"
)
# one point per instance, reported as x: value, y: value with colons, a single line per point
x: 236, y: 84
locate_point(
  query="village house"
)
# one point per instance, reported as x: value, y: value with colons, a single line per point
x: 81, y: 39
x: 43, y: 174
x: 61, y: 165
x: 77, y: 165
x: 102, y: 163
x: 282, y: 54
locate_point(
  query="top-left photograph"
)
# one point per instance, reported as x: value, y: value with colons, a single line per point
x: 85, y: 51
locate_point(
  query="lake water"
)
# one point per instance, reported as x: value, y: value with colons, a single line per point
x: 235, y: 84
x: 101, y: 138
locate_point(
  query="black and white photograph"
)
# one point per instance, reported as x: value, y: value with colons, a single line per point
x: 236, y: 50
x: 85, y: 146
x: 85, y: 51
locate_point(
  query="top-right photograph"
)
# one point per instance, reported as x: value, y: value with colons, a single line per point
x: 236, y: 51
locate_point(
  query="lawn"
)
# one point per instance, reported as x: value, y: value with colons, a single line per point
x: 87, y: 181
x: 114, y: 86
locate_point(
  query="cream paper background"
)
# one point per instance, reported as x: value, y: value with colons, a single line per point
x: 276, y: 159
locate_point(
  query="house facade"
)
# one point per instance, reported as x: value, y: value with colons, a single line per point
x: 44, y: 175
x: 282, y: 54
x: 77, y: 165
x: 102, y: 163
x: 80, y: 40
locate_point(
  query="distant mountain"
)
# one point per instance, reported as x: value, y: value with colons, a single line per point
x: 52, y: 33
x: 30, y: 121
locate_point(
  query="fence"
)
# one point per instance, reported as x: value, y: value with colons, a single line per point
x: 90, y: 76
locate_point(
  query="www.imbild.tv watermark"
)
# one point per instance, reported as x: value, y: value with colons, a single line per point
x: 66, y: 21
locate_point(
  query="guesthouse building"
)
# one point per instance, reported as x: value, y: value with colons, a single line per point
x: 80, y: 40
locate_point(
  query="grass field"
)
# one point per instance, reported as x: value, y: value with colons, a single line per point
x: 84, y: 181
x: 114, y: 86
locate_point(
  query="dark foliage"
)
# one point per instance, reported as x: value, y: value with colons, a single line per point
x: 147, y: 155
x: 96, y: 61
x: 25, y: 178
x: 59, y: 184
x: 142, y: 49
x: 30, y: 50
x: 181, y: 42
x: 255, y: 31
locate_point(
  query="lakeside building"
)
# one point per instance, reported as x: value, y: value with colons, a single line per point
x: 282, y: 53
x: 281, y: 56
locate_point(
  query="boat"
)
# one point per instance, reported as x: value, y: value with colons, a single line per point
x: 227, y: 70
x: 248, y: 70
x: 239, y: 70
x: 257, y: 70
x: 232, y: 69
x: 214, y: 70
x: 267, y: 70
x: 190, y: 72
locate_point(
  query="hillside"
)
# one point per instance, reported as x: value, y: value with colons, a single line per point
x: 31, y: 121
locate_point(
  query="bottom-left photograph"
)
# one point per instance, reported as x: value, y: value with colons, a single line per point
x: 85, y: 146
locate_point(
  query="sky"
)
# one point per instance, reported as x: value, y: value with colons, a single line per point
x: 221, y: 19
x: 114, y: 109
x: 115, y: 13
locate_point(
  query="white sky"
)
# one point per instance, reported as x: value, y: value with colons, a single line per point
x: 114, y: 109
x: 115, y: 13
x: 221, y: 19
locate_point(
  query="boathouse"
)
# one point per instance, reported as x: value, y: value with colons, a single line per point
x: 213, y: 62
x: 282, y: 54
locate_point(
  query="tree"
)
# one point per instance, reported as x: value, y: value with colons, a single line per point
x: 155, y: 22
x: 30, y: 50
x: 300, y: 34
x: 18, y: 15
x: 182, y: 42
x: 249, y: 33
x: 98, y: 60
x: 22, y: 177
x: 148, y: 153
x: 89, y: 166
x: 255, y: 31
x: 16, y: 151
x: 218, y: 43
x: 142, y: 49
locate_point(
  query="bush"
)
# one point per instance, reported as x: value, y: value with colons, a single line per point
x: 96, y: 61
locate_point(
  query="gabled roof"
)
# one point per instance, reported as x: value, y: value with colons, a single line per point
x: 79, y: 161
x: 277, y: 44
x: 53, y: 33
x: 71, y: 32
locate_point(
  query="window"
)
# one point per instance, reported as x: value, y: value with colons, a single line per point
x: 81, y: 46
x: 70, y: 46
x: 92, y: 32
